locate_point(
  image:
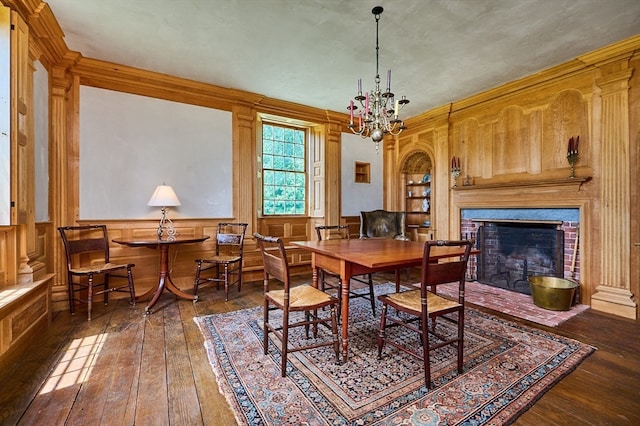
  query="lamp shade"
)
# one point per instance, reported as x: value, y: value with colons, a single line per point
x: 164, y: 196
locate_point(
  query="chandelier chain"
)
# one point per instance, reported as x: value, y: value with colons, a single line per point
x: 377, y: 49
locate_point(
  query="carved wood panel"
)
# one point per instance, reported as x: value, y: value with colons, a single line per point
x: 511, y: 142
x: 565, y: 117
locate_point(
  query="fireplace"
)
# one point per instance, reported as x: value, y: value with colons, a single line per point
x: 510, y: 252
x: 515, y: 244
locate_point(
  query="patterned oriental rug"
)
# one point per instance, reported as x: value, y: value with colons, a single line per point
x: 507, y: 367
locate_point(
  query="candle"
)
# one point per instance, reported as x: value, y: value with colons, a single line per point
x: 570, y: 146
x: 453, y: 162
x: 351, y: 112
x: 359, y: 86
x: 366, y: 103
x: 397, y: 108
x: 577, y: 143
x: 458, y: 163
x: 388, y: 80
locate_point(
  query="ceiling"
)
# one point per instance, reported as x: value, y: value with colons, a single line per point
x: 313, y: 52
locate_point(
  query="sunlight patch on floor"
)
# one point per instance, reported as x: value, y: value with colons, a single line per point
x: 76, y: 363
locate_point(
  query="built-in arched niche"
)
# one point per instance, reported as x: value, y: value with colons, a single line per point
x: 416, y: 172
x: 416, y: 162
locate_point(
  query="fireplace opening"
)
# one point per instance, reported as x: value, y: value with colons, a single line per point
x: 512, y: 251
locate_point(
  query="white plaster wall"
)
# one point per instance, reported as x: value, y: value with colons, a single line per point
x: 129, y: 144
x: 357, y: 197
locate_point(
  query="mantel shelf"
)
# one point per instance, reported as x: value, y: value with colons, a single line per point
x: 530, y: 184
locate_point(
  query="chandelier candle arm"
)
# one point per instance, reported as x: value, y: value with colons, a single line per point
x: 381, y: 111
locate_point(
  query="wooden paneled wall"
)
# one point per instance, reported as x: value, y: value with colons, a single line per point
x: 512, y: 142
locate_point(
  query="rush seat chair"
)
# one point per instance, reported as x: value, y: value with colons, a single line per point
x: 290, y: 299
x: 420, y: 308
x: 226, y: 263
x: 87, y: 252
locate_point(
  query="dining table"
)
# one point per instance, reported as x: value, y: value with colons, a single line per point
x: 349, y: 257
x: 164, y: 278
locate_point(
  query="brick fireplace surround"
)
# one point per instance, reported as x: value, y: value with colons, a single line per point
x: 566, y: 220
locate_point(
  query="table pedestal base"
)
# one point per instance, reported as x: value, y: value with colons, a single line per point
x: 164, y: 282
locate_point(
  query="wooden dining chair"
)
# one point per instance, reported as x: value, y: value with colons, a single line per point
x: 289, y: 299
x: 332, y: 232
x: 226, y: 263
x: 87, y: 252
x: 421, y: 305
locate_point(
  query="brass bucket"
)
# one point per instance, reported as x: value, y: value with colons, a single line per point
x: 552, y: 293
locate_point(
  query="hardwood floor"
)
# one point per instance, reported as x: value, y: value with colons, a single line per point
x: 123, y: 368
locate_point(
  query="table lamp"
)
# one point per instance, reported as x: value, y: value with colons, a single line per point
x: 164, y: 196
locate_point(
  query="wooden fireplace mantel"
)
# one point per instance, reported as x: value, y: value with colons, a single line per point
x: 526, y: 184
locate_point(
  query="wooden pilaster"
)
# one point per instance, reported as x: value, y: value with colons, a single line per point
x: 59, y: 176
x: 613, y: 294
x: 332, y: 176
x: 244, y: 173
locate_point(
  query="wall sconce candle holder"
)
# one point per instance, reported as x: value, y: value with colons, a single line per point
x: 572, y: 159
x: 572, y: 155
x: 455, y: 173
x: 455, y: 170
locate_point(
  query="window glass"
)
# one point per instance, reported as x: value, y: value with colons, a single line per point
x: 284, y: 174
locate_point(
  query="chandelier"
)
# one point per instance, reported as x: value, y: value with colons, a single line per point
x: 379, y: 114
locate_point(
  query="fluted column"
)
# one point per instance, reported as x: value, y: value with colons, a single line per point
x: 244, y: 154
x: 613, y: 294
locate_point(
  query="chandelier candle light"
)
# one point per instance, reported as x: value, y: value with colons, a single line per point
x: 380, y: 110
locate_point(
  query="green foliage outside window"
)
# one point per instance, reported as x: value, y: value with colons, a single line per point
x: 283, y: 167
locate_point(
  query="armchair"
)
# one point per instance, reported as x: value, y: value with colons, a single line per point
x: 383, y: 224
